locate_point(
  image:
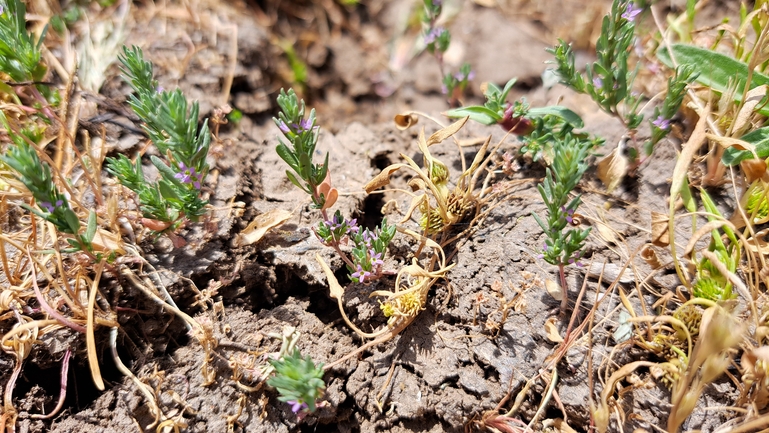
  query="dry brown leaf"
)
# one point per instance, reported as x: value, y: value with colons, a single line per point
x: 607, y: 233
x: 650, y: 257
x: 335, y: 289
x: 260, y: 226
x: 754, y: 169
x: 727, y: 142
x: 383, y: 178
x: 752, y: 100
x: 406, y: 120
x: 554, y: 289
x: 446, y: 132
x: 613, y: 168
x: 660, y: 227
x: 551, y: 330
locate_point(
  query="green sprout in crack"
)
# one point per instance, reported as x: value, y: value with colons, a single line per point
x: 367, y: 256
x: 298, y: 381
x: 172, y: 125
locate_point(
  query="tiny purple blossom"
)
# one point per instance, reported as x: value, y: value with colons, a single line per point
x: 296, y: 406
x: 304, y: 125
x: 283, y: 127
x: 361, y: 274
x: 432, y: 35
x: 159, y: 89
x: 48, y: 206
x: 461, y: 77
x: 569, y: 214
x: 369, y: 237
x: 597, y: 82
x: 661, y: 123
x: 188, y: 175
x: 376, y: 258
x: 631, y: 12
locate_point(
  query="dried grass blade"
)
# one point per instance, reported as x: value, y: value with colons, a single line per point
x: 90, y: 339
x: 679, y: 176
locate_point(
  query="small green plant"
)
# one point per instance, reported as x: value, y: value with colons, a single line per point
x: 537, y: 128
x: 437, y: 40
x: 20, y: 57
x: 53, y: 206
x: 370, y: 246
x: 564, y: 241
x: 299, y: 382
x: 609, y: 80
x: 172, y: 125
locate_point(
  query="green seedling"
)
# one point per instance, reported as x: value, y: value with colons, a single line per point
x: 20, y: 57
x: 370, y: 246
x: 437, y: 40
x: 299, y: 382
x: 564, y: 241
x: 172, y: 125
x: 53, y: 206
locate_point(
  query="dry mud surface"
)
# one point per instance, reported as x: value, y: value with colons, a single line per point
x: 483, y: 334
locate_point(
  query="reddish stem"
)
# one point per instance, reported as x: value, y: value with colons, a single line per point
x: 62, y: 392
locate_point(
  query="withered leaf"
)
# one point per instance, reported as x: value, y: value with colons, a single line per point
x: 406, y: 120
x: 260, y: 226
x: 383, y: 178
x: 660, y: 233
x: 612, y: 169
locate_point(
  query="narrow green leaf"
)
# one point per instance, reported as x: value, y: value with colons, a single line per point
x: 759, y: 138
x: 90, y: 230
x: 557, y: 110
x: 716, y: 70
x: 508, y: 87
x: 479, y: 114
x: 288, y: 156
x: 296, y: 182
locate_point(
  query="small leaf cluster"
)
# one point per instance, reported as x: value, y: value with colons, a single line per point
x: 19, y: 52
x: 298, y: 380
x: 564, y: 241
x: 609, y: 79
x: 172, y: 125
x: 302, y: 135
x: 660, y: 122
x: 711, y: 283
x: 369, y: 251
x: 516, y: 117
x: 53, y: 206
x: 550, y: 129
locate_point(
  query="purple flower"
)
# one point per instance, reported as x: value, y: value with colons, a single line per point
x: 283, y: 127
x: 631, y: 12
x: 661, y: 123
x: 376, y: 258
x: 369, y: 237
x: 159, y: 89
x: 361, y: 274
x: 304, y: 125
x: 296, y: 407
x: 569, y: 214
x: 188, y: 175
x: 51, y: 207
x: 432, y: 35
x: 461, y: 77
x: 597, y: 82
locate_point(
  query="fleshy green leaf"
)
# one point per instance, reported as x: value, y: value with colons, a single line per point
x: 90, y: 230
x: 557, y: 110
x: 759, y: 138
x: 716, y: 70
x: 479, y: 114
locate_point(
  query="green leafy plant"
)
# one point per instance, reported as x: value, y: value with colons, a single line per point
x: 299, y: 382
x: 20, y: 56
x: 172, y: 125
x: 367, y: 256
x: 437, y: 40
x: 564, y: 241
x: 609, y: 80
x: 53, y: 205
